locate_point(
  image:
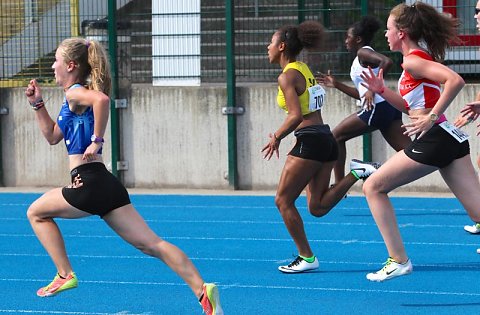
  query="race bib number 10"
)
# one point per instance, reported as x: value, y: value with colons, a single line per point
x: 317, y: 97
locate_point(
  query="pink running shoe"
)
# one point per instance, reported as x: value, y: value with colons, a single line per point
x: 58, y: 285
x: 211, y: 300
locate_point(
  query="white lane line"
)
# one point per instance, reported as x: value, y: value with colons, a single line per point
x: 453, y: 266
x: 269, y: 287
x: 248, y: 239
x: 249, y: 222
x: 432, y: 209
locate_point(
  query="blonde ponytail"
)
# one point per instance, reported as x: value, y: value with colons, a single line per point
x: 92, y: 61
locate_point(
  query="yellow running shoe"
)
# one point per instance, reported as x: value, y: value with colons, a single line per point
x: 210, y: 300
x: 58, y: 285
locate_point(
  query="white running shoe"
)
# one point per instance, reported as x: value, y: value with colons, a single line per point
x: 478, y: 251
x: 299, y: 265
x: 361, y: 170
x: 391, y: 269
x: 474, y: 229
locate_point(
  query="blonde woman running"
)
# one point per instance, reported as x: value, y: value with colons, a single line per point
x: 82, y: 71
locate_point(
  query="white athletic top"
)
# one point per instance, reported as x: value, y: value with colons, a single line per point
x: 355, y: 72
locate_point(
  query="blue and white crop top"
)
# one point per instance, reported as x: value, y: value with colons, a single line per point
x: 77, y: 129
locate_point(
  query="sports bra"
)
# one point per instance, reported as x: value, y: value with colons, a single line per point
x: 77, y: 129
x: 312, y: 98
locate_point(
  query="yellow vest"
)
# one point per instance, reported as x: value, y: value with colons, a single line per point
x: 304, y: 98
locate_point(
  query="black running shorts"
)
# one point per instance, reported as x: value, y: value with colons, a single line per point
x: 437, y: 148
x: 95, y: 190
x: 315, y: 143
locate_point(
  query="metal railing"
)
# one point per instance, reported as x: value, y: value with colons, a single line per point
x: 184, y: 42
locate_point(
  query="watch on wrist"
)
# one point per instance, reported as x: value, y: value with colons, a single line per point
x: 96, y: 139
x: 433, y: 117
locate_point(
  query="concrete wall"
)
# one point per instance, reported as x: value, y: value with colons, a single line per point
x: 177, y: 138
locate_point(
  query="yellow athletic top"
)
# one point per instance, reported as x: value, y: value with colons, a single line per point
x: 305, y: 98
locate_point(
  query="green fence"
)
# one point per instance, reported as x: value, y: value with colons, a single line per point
x: 184, y: 42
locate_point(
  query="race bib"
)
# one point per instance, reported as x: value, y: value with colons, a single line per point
x: 458, y: 134
x: 317, y: 97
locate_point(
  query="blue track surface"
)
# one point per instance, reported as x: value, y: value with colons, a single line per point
x: 238, y: 242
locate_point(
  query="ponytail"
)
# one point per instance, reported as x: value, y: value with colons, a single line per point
x: 308, y: 35
x: 92, y: 61
x: 100, y: 78
x: 422, y: 22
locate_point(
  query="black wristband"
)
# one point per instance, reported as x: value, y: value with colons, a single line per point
x: 38, y: 104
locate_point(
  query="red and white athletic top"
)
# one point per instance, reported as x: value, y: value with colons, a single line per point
x: 419, y: 93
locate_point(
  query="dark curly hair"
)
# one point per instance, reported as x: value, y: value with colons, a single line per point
x: 308, y: 35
